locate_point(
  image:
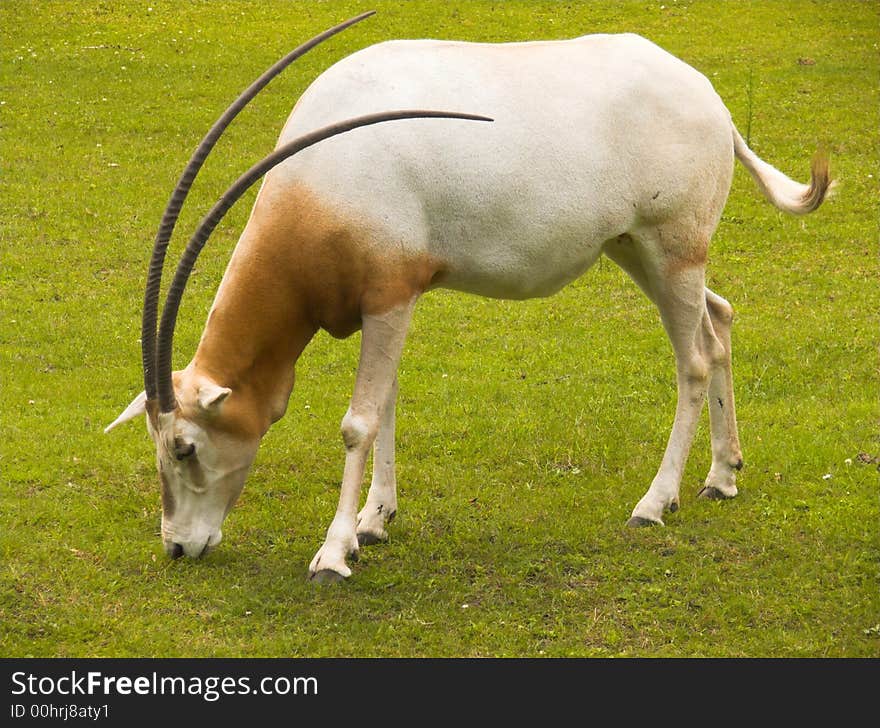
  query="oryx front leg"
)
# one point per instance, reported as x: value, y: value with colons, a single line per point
x: 381, y: 346
x: 381, y: 505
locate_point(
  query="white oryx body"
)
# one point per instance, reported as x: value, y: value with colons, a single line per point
x: 586, y: 133
x: 601, y: 144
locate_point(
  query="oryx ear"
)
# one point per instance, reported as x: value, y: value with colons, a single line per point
x: 211, y: 395
x: 137, y: 407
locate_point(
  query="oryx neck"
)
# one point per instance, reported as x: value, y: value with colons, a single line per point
x: 256, y: 331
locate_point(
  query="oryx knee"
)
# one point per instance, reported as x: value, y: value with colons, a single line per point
x: 359, y: 431
x: 695, y: 371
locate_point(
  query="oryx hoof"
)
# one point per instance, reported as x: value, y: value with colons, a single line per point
x: 328, y: 566
x: 369, y: 538
x: 710, y: 492
x: 720, y: 483
x: 371, y: 524
x: 327, y: 576
x: 638, y: 521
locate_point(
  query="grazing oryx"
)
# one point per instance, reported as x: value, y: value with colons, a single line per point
x: 600, y: 144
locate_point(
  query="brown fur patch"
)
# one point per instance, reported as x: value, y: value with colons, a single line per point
x: 240, y: 415
x: 693, y: 259
x: 299, y: 266
x: 340, y: 270
x: 682, y: 250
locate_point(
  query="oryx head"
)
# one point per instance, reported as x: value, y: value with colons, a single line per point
x: 204, y: 449
x: 206, y: 436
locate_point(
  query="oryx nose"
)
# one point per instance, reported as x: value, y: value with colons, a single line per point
x: 192, y: 549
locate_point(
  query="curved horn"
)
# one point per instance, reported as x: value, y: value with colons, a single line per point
x: 167, y: 401
x: 172, y: 210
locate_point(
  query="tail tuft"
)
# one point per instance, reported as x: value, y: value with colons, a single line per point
x: 786, y: 194
x: 821, y: 184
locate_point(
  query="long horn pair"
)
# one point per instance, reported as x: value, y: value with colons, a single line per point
x: 172, y: 209
x: 156, y: 347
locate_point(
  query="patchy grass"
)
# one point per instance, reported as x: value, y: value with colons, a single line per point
x: 527, y: 431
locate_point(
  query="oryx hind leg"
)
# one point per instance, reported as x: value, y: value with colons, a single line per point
x: 726, y: 452
x: 667, y: 263
x: 381, y: 505
x: 382, y: 341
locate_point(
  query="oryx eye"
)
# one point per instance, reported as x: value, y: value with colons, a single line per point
x: 183, y: 449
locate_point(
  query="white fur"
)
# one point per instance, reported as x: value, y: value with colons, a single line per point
x: 200, y: 506
x: 586, y: 132
x: 381, y: 347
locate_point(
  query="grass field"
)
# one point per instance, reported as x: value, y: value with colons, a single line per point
x: 527, y: 431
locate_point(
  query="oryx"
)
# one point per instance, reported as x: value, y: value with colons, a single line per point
x: 599, y: 144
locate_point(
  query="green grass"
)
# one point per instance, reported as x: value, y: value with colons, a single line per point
x: 527, y: 431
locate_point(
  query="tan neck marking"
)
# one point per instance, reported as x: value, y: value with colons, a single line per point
x: 255, y: 333
x: 298, y: 267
